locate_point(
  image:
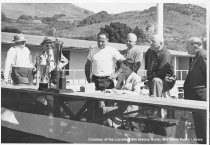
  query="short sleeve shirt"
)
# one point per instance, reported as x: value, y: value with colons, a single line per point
x: 103, y: 60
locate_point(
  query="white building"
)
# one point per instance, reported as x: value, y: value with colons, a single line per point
x: 77, y: 50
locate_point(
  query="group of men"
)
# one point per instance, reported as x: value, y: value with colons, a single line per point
x: 159, y: 65
x: 106, y: 63
x: 101, y: 62
x: 19, y: 63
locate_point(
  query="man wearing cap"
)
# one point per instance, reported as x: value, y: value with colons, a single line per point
x: 46, y: 58
x: 45, y: 64
x: 196, y: 83
x: 18, y: 58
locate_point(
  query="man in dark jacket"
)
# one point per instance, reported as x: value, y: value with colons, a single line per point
x: 158, y: 63
x: 195, y: 84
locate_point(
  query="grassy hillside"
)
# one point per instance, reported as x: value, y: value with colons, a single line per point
x: 14, y: 10
x: 180, y: 23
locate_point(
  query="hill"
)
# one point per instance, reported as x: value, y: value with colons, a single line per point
x: 102, y: 16
x: 180, y: 23
x: 14, y: 10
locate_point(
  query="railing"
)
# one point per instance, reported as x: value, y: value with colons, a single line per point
x: 77, y: 76
x: 181, y: 74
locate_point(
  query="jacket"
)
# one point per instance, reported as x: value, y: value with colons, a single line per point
x: 158, y: 64
x: 197, y: 76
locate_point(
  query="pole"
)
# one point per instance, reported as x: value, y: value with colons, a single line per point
x: 160, y: 19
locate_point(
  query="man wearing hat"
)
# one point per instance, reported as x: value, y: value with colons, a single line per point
x: 46, y: 58
x: 18, y: 61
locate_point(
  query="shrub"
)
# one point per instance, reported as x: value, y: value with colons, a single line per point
x: 26, y: 17
x: 117, y: 31
x: 11, y: 30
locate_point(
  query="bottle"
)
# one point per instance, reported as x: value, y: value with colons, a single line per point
x: 62, y: 80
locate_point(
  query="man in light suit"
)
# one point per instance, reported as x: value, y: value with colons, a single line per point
x: 195, y: 84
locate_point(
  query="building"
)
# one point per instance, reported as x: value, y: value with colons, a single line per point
x: 77, y: 50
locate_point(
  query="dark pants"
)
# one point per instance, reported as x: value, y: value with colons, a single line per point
x: 200, y: 127
x: 22, y: 75
x: 101, y: 83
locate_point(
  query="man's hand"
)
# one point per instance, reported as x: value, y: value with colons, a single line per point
x: 113, y: 76
x: 7, y: 81
x: 201, y: 92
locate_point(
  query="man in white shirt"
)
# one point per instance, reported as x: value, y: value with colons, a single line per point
x: 18, y: 56
x: 102, y: 59
x: 100, y: 68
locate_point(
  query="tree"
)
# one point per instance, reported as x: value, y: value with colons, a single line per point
x: 117, y: 31
x: 11, y: 30
x: 139, y: 32
x: 49, y: 20
x: 26, y: 17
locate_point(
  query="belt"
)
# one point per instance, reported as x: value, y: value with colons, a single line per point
x: 100, y: 77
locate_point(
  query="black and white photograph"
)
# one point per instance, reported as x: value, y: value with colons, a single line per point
x: 105, y: 72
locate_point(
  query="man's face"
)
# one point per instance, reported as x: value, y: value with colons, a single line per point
x: 126, y: 70
x: 20, y: 44
x: 155, y: 44
x: 48, y: 46
x: 102, y: 41
x: 150, y: 30
x: 193, y: 47
x: 130, y: 42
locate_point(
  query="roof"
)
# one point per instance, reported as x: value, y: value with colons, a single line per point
x: 77, y: 44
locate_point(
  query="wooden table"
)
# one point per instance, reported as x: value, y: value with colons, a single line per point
x: 58, y: 100
x: 180, y: 104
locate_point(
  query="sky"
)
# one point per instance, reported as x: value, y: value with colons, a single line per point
x: 115, y: 7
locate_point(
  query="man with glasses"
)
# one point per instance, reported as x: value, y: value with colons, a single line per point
x: 46, y: 59
x: 196, y: 83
